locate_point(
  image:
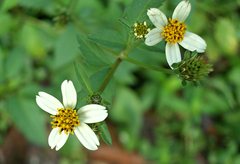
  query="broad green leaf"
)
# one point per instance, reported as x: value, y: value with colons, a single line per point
x: 109, y: 38
x: 35, y: 3
x: 66, y: 47
x: 93, y: 55
x: 28, y: 117
x: 82, y: 77
x: 15, y: 62
x: 137, y: 11
x: 105, y: 134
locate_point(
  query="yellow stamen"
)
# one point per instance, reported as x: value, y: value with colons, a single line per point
x: 66, y: 120
x: 174, y: 31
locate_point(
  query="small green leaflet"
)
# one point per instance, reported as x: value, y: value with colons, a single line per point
x: 82, y: 77
x: 104, y: 132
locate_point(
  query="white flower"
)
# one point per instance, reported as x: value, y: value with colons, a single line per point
x: 174, y: 32
x: 67, y: 120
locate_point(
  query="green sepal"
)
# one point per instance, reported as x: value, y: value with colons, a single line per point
x: 186, y: 55
x: 194, y: 53
x: 201, y: 82
x: 184, y: 83
x: 195, y: 83
x: 105, y: 134
x: 82, y: 77
x: 176, y: 71
x: 175, y: 65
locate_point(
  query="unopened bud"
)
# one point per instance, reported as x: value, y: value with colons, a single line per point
x: 192, y: 68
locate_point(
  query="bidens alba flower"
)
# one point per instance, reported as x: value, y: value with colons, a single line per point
x: 174, y: 32
x: 67, y: 120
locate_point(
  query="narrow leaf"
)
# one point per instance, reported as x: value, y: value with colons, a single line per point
x: 92, y: 53
x: 105, y: 134
x: 109, y: 38
x: 82, y: 77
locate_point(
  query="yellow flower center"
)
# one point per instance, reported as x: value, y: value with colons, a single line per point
x: 66, y: 120
x: 174, y: 31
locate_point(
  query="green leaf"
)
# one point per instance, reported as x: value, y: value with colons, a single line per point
x: 82, y: 77
x: 124, y: 22
x: 28, y: 118
x: 109, y: 38
x: 138, y: 10
x: 104, y: 132
x: 93, y: 55
x: 66, y: 47
x: 15, y: 62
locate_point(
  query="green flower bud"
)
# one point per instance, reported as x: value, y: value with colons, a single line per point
x: 94, y: 99
x: 141, y: 30
x: 192, y: 68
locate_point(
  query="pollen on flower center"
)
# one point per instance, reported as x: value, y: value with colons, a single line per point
x: 66, y: 120
x: 174, y: 31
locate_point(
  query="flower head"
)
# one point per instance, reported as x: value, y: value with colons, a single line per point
x: 67, y: 120
x: 141, y: 30
x: 174, y: 32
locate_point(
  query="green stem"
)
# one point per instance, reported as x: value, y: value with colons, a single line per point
x: 169, y: 71
x: 109, y: 75
x: 129, y: 48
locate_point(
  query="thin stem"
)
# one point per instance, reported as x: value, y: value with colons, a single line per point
x: 109, y: 75
x: 169, y: 71
x: 129, y: 48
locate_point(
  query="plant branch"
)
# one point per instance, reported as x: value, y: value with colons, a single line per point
x: 169, y: 71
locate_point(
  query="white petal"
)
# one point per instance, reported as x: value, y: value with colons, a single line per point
x: 182, y: 11
x: 86, y: 136
x: 93, y: 116
x: 154, y: 36
x: 91, y: 107
x: 62, y: 141
x: 173, y: 53
x: 157, y: 17
x: 69, y: 94
x: 193, y: 42
x: 48, y: 103
x: 56, y: 139
x: 92, y: 113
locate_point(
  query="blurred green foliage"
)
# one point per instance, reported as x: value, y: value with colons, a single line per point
x: 153, y: 114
